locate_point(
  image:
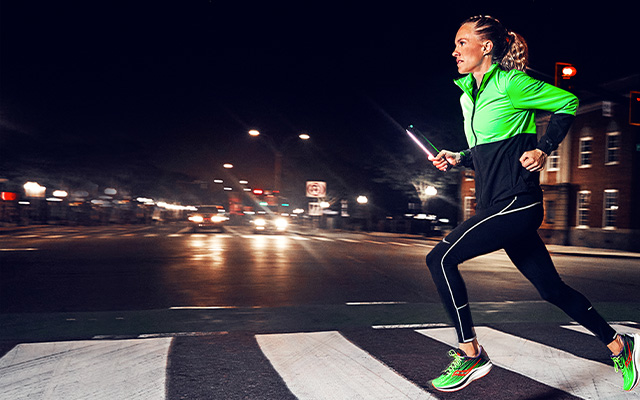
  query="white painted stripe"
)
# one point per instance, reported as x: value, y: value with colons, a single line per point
x: 556, y: 368
x: 349, y: 240
x: 400, y: 244
x: 618, y: 328
x: 20, y: 249
x: 323, y: 239
x: 175, y: 235
x: 113, y: 369
x: 325, y: 365
x: 201, y: 307
x: 373, y: 303
x: 409, y: 326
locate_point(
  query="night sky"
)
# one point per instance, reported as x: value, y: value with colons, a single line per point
x: 179, y: 83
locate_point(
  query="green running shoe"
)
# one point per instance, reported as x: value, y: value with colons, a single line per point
x: 628, y: 360
x: 462, y: 371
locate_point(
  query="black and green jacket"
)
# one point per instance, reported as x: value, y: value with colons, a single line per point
x: 499, y: 123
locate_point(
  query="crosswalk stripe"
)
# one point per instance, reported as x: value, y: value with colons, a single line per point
x: 323, y: 365
x: 553, y: 367
x: 109, y: 369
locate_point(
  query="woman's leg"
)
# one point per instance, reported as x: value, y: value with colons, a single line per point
x: 531, y: 257
x: 489, y: 230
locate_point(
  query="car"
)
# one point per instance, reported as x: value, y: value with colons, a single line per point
x: 208, y: 217
x: 269, y: 223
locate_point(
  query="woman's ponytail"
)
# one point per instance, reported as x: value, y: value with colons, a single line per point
x: 509, y: 49
x: 517, y: 54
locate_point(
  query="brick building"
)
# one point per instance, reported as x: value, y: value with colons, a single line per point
x: 591, y: 182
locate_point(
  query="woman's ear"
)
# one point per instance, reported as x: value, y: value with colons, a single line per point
x: 487, y: 46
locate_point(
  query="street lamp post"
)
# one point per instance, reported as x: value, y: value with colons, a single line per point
x: 277, y: 152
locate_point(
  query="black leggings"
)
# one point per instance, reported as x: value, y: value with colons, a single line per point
x: 510, y: 225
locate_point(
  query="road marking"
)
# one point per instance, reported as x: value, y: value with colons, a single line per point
x: 409, y: 326
x: 323, y: 365
x: 201, y: 307
x: 111, y: 369
x: 299, y: 238
x: 20, y: 249
x: 323, y: 239
x: 556, y: 368
x: 616, y: 327
x: 349, y: 240
x: 373, y: 303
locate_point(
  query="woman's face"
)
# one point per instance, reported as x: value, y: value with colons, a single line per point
x: 470, y: 50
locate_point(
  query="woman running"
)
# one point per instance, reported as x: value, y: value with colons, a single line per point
x: 498, y: 104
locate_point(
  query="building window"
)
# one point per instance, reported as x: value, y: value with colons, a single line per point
x: 612, y: 155
x: 553, y: 162
x: 550, y: 212
x: 583, y: 208
x: 469, y: 207
x: 610, y: 208
x: 585, y: 152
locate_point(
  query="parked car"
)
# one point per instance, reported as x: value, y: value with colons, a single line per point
x: 208, y: 217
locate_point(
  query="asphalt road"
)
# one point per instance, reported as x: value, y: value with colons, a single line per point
x: 223, y: 315
x: 124, y: 268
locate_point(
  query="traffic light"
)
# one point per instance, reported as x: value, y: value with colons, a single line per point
x: 634, y: 108
x: 564, y: 73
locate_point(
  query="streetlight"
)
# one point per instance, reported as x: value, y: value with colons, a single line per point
x: 277, y: 151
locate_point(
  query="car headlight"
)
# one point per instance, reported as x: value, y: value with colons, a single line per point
x: 281, y: 224
x: 260, y: 222
x: 196, y: 218
x: 218, y: 218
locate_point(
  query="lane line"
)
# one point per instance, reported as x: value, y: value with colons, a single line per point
x: 325, y: 365
x: 373, y: 303
x: 349, y: 240
x: 410, y: 326
x: 20, y: 249
x: 110, y: 369
x: 559, y: 369
x: 618, y: 328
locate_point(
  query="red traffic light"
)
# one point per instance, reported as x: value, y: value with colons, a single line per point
x: 634, y: 108
x: 568, y: 71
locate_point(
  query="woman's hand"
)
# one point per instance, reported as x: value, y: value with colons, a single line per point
x: 444, y: 159
x: 533, y: 160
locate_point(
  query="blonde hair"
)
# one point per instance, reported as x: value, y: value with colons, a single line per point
x: 509, y: 48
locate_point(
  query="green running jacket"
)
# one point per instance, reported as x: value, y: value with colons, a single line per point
x: 499, y: 124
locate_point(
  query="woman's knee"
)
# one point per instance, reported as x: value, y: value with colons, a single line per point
x: 435, y: 256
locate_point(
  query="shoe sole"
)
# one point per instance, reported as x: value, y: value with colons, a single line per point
x: 475, y: 375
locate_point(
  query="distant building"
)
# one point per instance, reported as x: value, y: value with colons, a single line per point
x: 591, y: 182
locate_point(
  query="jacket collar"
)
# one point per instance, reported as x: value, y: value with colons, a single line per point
x: 466, y: 82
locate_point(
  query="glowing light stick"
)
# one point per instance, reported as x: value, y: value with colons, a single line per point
x: 424, y: 143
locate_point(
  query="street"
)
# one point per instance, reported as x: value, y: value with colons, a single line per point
x: 240, y: 295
